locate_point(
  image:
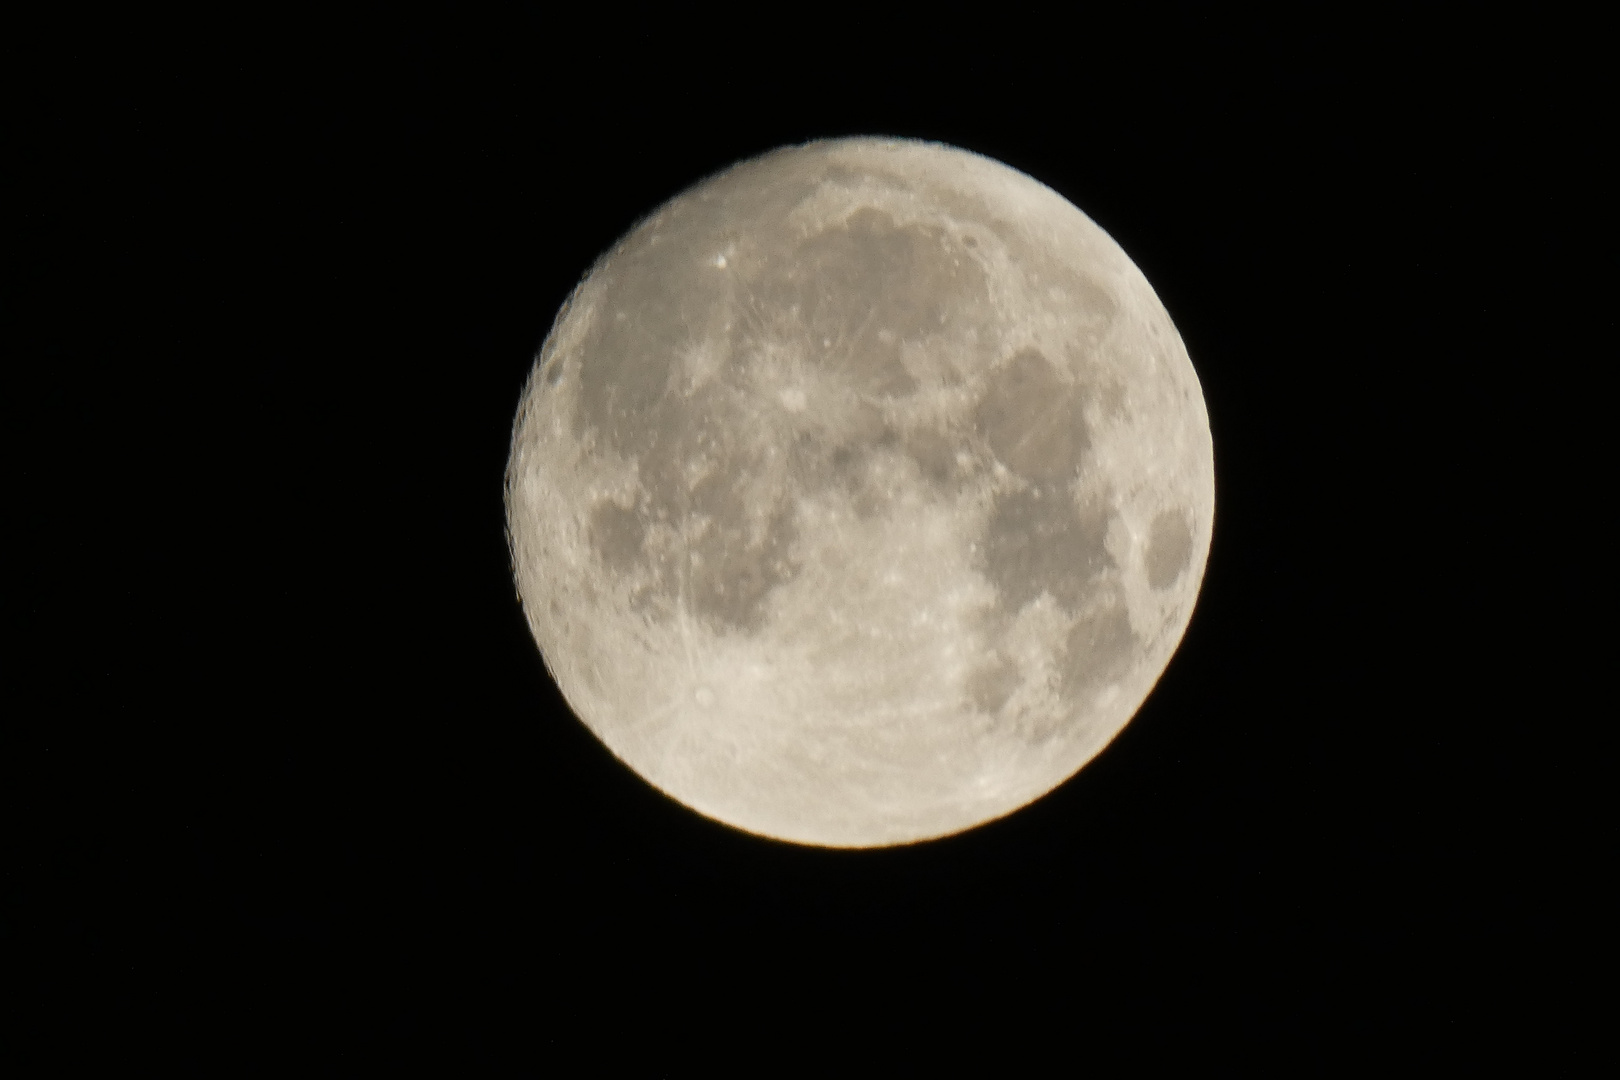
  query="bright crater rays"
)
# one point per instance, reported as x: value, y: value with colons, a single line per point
x: 861, y: 493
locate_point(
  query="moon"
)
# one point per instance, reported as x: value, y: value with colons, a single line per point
x: 861, y: 493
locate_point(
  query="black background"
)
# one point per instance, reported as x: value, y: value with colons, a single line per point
x: 303, y: 780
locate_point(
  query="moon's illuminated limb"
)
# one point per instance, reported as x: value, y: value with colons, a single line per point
x: 861, y: 493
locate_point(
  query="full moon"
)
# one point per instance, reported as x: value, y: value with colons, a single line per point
x: 861, y: 493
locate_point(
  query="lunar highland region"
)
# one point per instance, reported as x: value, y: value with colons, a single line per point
x: 861, y: 493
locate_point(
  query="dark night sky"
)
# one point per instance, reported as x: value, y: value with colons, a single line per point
x: 305, y: 773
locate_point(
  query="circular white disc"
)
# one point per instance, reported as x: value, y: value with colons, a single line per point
x: 861, y: 493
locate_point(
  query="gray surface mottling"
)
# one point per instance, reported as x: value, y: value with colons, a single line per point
x: 861, y: 494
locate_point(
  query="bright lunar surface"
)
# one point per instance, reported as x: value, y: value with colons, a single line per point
x: 861, y: 493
